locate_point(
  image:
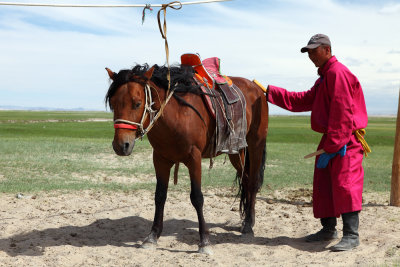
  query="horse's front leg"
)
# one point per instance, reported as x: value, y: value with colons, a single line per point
x: 162, y: 167
x: 197, y: 199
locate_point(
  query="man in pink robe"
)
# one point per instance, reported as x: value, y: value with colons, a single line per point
x: 337, y: 106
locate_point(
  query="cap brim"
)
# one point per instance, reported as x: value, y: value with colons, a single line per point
x: 310, y: 46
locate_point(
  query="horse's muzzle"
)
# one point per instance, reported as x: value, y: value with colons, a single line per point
x: 123, y: 147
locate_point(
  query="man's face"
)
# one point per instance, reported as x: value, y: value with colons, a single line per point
x: 320, y: 55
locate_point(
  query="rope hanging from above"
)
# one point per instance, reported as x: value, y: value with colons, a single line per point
x: 163, y: 31
x: 148, y: 6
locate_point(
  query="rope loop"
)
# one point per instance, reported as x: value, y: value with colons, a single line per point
x: 163, y: 31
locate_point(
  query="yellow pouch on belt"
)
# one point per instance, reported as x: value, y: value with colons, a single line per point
x: 360, y: 137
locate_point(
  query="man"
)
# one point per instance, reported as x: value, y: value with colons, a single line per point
x: 338, y: 111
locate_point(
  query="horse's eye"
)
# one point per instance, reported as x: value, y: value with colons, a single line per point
x: 136, y: 105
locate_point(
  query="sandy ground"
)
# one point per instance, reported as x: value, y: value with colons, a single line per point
x: 92, y: 228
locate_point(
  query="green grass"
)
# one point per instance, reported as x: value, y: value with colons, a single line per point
x: 44, y: 151
x: 28, y: 116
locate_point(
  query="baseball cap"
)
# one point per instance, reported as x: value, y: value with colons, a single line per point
x: 315, y: 41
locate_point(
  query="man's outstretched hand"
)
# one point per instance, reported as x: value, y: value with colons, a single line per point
x: 324, y: 158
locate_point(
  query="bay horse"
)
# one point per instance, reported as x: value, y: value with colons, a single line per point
x: 182, y: 135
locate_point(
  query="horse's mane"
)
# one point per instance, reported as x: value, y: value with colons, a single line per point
x: 181, y: 80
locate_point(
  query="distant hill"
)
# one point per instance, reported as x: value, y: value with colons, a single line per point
x: 46, y: 108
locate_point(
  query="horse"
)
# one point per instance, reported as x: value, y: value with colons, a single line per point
x: 166, y: 104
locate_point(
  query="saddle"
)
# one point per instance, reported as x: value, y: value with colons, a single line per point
x: 225, y: 102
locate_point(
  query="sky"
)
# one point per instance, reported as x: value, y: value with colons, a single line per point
x: 56, y: 57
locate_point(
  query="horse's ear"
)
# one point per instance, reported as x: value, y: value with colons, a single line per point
x: 149, y: 73
x: 111, y: 74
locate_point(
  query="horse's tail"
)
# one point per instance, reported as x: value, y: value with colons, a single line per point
x: 262, y: 168
x: 176, y: 173
x: 260, y: 179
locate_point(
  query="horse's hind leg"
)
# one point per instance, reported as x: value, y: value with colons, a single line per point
x: 197, y: 199
x: 242, y: 176
x: 162, y: 167
x: 255, y: 160
x: 242, y: 168
x: 250, y: 182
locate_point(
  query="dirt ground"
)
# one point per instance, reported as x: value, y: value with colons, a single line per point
x: 92, y: 228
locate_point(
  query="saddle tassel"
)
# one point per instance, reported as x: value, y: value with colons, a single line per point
x: 359, y: 133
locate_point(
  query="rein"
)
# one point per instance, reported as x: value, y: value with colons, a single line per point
x: 148, y: 111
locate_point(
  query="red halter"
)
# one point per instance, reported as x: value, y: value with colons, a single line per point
x: 125, y: 126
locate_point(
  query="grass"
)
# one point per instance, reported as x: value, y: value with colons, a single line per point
x: 44, y: 151
x: 29, y: 116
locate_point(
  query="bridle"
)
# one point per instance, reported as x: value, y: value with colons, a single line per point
x: 148, y: 111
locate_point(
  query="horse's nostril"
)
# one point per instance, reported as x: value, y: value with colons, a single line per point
x: 126, y: 145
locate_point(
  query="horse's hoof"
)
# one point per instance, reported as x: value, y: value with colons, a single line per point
x: 247, y: 231
x: 148, y: 245
x: 206, y: 250
x: 248, y: 234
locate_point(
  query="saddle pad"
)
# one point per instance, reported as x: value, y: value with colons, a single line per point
x: 231, y: 124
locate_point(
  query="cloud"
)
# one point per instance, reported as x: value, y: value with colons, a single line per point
x: 386, y: 69
x: 390, y: 9
x: 354, y: 62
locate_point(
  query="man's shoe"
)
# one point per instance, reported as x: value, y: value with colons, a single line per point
x: 347, y: 243
x: 322, y: 235
x: 350, y: 237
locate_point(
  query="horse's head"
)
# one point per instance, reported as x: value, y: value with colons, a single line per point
x: 127, y: 99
